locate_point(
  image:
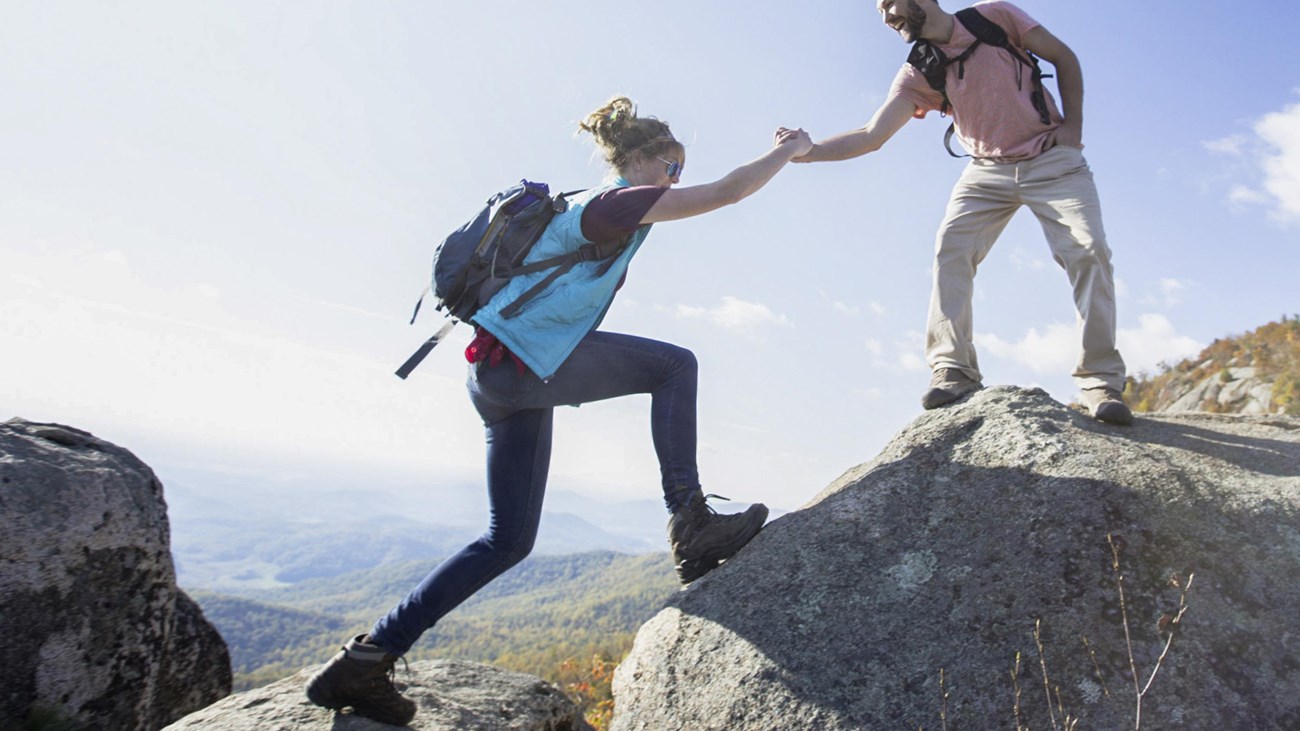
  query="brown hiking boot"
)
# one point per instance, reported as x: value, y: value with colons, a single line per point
x: 361, y: 677
x: 702, y: 538
x: 1107, y: 404
x: 948, y: 385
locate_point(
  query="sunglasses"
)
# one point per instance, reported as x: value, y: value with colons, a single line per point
x: 674, y: 167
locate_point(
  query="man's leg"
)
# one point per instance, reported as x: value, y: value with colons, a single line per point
x: 982, y: 203
x: 1059, y: 189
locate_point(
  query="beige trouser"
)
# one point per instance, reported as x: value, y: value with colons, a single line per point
x: 1058, y: 187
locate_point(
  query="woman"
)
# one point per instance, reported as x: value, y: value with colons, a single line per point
x: 550, y: 354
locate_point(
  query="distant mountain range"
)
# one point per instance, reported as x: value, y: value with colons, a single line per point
x: 543, y: 611
x: 289, y: 570
x: 232, y: 533
x: 230, y: 536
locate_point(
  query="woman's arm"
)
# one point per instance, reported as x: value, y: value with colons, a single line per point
x: 735, y: 186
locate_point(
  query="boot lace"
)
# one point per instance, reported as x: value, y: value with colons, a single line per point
x: 388, y: 680
x: 715, y: 497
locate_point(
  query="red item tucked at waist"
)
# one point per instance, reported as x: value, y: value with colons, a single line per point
x: 485, y: 346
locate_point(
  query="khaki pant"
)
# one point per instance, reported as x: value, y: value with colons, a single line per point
x: 1058, y: 187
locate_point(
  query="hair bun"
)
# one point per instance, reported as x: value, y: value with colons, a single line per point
x: 620, y: 133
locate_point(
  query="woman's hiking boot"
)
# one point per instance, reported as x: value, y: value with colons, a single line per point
x: 361, y: 676
x: 702, y: 538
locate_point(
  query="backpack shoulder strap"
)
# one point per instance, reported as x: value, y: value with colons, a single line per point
x: 982, y: 28
x: 993, y: 34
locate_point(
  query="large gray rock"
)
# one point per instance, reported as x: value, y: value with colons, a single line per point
x: 976, y: 522
x: 94, y: 625
x: 1228, y: 391
x: 452, y: 696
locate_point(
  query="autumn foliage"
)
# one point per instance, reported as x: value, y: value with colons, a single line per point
x: 1273, y: 350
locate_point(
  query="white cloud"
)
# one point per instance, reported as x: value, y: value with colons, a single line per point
x: 1152, y: 342
x: 909, y: 352
x: 1121, y: 287
x: 1274, y: 153
x: 1231, y: 145
x: 1241, y: 195
x: 911, y: 361
x: 853, y: 310
x: 1281, y: 131
x: 735, y: 314
x: 874, y: 346
x: 207, y: 291
x: 104, y: 350
x: 1021, y: 259
x: 1054, y: 349
x: 1170, y: 293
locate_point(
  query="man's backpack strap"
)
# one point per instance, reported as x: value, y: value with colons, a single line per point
x: 993, y: 34
x: 982, y: 28
x: 933, y: 64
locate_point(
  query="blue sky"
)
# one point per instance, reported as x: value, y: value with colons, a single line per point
x: 214, y: 219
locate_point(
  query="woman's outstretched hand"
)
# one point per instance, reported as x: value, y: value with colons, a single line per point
x: 799, y: 141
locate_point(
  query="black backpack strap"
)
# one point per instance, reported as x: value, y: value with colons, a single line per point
x: 993, y: 34
x: 424, y: 350
x: 586, y: 252
x: 947, y: 140
x: 930, y: 61
x: 983, y: 28
x: 419, y: 302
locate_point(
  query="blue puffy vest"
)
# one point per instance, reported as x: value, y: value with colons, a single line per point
x: 547, y: 329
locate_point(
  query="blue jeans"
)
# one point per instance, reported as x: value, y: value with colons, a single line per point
x: 516, y: 409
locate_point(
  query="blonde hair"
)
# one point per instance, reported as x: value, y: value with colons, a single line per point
x: 621, y: 135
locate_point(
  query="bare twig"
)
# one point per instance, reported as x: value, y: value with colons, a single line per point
x: 943, y: 711
x: 1172, y: 625
x: 1015, y: 682
x: 1096, y: 667
x: 1042, y: 663
x: 1128, y: 640
x: 1167, y: 622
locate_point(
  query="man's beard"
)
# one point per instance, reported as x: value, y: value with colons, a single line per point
x: 914, y: 20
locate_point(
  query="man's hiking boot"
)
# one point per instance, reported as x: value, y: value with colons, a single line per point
x: 1107, y: 404
x: 361, y: 676
x: 702, y: 538
x: 948, y: 385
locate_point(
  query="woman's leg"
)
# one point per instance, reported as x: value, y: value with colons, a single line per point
x: 518, y: 457
x: 607, y: 365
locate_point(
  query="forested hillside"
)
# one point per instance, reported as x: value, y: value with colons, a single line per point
x: 545, y: 611
x: 1257, y: 372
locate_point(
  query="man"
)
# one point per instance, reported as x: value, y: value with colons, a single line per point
x: 1025, y: 152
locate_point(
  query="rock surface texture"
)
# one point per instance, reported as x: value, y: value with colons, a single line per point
x: 979, y: 520
x: 95, y: 627
x: 1229, y: 391
x: 452, y: 696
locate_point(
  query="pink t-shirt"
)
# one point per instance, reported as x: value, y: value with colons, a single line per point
x: 994, y: 116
